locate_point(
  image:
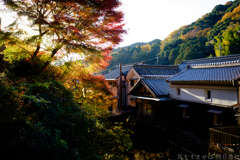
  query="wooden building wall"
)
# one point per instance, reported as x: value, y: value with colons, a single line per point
x: 195, y: 120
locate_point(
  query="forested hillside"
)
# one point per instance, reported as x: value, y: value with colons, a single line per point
x: 200, y: 39
x: 135, y: 52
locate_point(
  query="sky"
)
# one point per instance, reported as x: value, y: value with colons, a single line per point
x: 147, y: 20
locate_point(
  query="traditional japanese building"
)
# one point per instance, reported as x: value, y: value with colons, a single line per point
x: 138, y: 72
x: 205, y: 96
x: 149, y: 92
x: 112, y: 78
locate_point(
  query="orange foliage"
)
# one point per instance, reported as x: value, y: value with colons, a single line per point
x: 228, y: 3
x: 21, y: 84
x: 87, y: 27
x: 87, y: 87
x: 146, y: 47
x: 174, y: 34
x: 191, y: 34
x: 203, y: 33
x: 164, y: 42
x: 234, y: 15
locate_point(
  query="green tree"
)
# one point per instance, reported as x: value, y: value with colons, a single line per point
x: 229, y: 40
x: 41, y: 120
x: 173, y: 55
x: 155, y: 47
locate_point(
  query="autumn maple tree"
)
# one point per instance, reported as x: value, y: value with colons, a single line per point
x: 59, y: 111
x: 87, y: 27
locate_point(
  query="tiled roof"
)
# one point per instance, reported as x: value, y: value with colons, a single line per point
x: 114, y: 74
x: 154, y: 76
x: 210, y: 72
x: 217, y: 64
x: 156, y: 85
x: 144, y: 70
x: 234, y: 57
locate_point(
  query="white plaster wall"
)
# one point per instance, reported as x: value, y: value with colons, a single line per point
x: 224, y: 97
x: 218, y: 96
x: 192, y: 94
x: 172, y: 92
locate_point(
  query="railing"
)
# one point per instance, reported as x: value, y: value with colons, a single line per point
x: 146, y: 117
x: 225, y: 139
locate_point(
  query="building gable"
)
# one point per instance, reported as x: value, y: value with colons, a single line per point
x: 132, y: 74
x: 141, y: 90
x: 156, y: 86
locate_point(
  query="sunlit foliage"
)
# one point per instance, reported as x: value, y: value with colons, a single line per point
x: 89, y: 28
x: 229, y: 40
x: 59, y: 111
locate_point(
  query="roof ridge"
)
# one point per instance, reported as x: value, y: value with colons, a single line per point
x: 208, y: 74
x: 144, y: 65
x: 216, y: 64
x: 167, y: 80
x: 211, y: 58
x: 157, y: 76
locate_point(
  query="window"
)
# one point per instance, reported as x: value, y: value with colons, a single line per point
x: 185, y: 110
x: 114, y: 84
x: 178, y: 92
x: 216, y: 119
x: 208, y: 95
x: 147, y: 109
x: 132, y: 83
x: 185, y: 113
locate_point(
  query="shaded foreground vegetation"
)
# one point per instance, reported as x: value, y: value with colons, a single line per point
x: 59, y: 111
x: 152, y: 142
x: 41, y: 120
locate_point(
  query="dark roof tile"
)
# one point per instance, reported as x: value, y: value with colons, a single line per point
x: 157, y: 85
x: 208, y: 73
x: 145, y: 70
x: 114, y: 74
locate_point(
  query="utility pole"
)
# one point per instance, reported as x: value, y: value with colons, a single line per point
x: 220, y: 48
x: 120, y: 88
x: 157, y: 59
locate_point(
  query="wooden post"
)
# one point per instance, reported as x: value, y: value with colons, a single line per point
x: 120, y: 88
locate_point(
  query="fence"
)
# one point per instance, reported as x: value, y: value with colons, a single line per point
x: 225, y: 139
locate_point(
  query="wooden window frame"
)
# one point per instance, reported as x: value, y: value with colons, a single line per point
x: 132, y: 83
x: 178, y: 90
x: 208, y: 95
